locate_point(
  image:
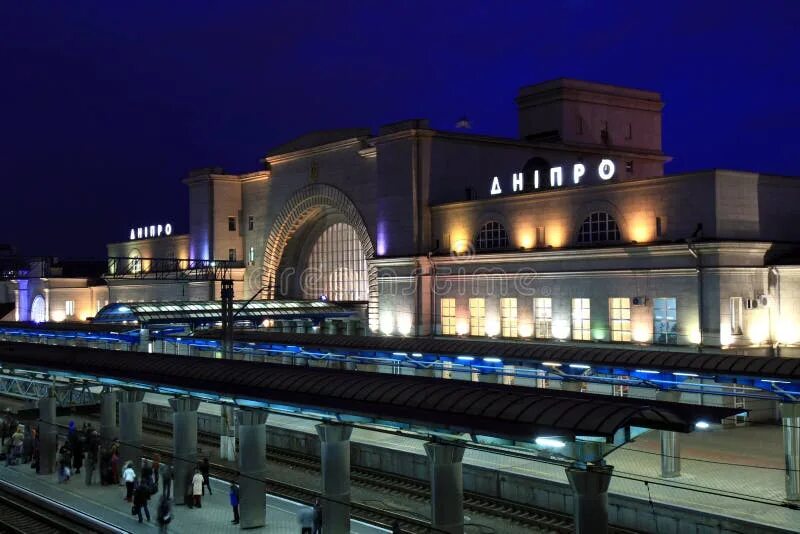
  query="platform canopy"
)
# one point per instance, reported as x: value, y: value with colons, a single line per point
x: 206, y: 312
x: 494, y: 410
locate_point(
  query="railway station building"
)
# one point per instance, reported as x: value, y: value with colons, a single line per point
x: 571, y: 230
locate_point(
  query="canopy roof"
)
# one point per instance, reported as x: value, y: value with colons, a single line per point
x: 202, y: 312
x: 514, y: 412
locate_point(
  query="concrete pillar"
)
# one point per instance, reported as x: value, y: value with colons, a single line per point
x: 144, y: 340
x: 108, y: 416
x: 48, y: 435
x: 790, y: 418
x: 130, y: 427
x: 227, y: 433
x: 350, y: 365
x: 447, y: 486
x: 252, y: 468
x: 590, y: 498
x: 335, y: 455
x: 670, y: 443
x: 184, y: 446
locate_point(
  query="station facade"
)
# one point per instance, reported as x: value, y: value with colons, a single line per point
x: 569, y: 231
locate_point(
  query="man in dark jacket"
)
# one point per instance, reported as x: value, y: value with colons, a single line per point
x: 205, y: 467
x: 140, y: 498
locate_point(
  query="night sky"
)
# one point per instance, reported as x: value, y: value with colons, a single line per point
x: 107, y: 105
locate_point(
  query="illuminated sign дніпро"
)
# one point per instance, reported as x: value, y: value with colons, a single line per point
x: 154, y: 230
x: 605, y: 171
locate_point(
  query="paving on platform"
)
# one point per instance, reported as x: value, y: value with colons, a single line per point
x: 107, y: 504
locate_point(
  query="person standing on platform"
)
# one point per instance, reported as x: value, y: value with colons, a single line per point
x: 164, y: 516
x: 317, y: 517
x: 17, y: 440
x: 305, y: 517
x: 166, y: 479
x: 65, y: 461
x: 234, y: 495
x: 205, y: 468
x: 156, y: 467
x: 197, y: 488
x: 129, y: 477
x: 147, y: 472
x: 140, y: 498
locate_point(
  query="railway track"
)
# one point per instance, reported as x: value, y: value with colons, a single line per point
x: 530, y: 518
x: 23, y: 514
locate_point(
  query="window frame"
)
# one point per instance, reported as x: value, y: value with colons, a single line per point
x: 231, y: 223
x: 581, y: 326
x: 492, y: 236
x: 477, y: 321
x: 447, y: 316
x: 619, y: 318
x: 543, y: 317
x: 736, y: 311
x: 662, y: 316
x: 599, y: 227
x: 509, y: 323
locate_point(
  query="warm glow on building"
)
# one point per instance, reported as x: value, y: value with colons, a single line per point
x: 641, y: 333
x: 787, y: 331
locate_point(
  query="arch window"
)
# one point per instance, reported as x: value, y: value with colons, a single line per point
x: 492, y: 235
x: 598, y: 227
x: 38, y: 310
x: 337, y: 266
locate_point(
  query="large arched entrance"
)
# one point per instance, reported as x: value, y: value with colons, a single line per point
x: 319, y: 246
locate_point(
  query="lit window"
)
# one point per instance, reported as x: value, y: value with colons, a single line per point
x: 232, y: 224
x: 252, y: 255
x: 337, y: 266
x: 581, y: 324
x: 448, y: 316
x: 736, y: 316
x: 599, y: 227
x: 508, y: 317
x: 620, y: 318
x: 38, y: 309
x: 492, y: 236
x: 665, y: 320
x: 251, y: 223
x: 232, y: 254
x: 477, y: 317
x: 135, y: 262
x: 69, y: 308
x: 543, y: 317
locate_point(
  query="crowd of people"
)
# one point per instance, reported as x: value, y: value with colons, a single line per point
x: 83, y: 449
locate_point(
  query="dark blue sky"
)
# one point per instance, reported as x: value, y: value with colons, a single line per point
x: 107, y: 105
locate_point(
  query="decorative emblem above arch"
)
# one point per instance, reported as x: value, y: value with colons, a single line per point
x: 301, y: 207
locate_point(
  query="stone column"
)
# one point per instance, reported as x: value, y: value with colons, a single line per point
x: 130, y: 427
x: 590, y: 498
x: 144, y: 340
x: 335, y: 454
x: 670, y: 444
x: 227, y: 434
x: 48, y: 435
x: 252, y: 468
x: 184, y: 446
x: 447, y: 486
x: 790, y: 418
x: 108, y: 416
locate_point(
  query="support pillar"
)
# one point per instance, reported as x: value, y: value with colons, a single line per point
x: 590, y: 497
x: 144, y: 340
x: 227, y: 433
x: 670, y: 443
x: 252, y: 468
x: 48, y: 435
x: 184, y: 446
x: 130, y: 427
x: 108, y: 416
x: 790, y: 419
x: 447, y: 486
x: 335, y: 454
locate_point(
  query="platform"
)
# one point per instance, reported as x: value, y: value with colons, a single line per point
x: 107, y: 504
x: 751, y: 445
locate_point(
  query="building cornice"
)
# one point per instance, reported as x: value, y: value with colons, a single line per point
x: 192, y: 180
x: 316, y: 150
x: 161, y: 239
x: 256, y: 176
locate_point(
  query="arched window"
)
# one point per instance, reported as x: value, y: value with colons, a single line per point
x: 598, y: 227
x: 38, y: 310
x: 337, y: 266
x: 492, y: 236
